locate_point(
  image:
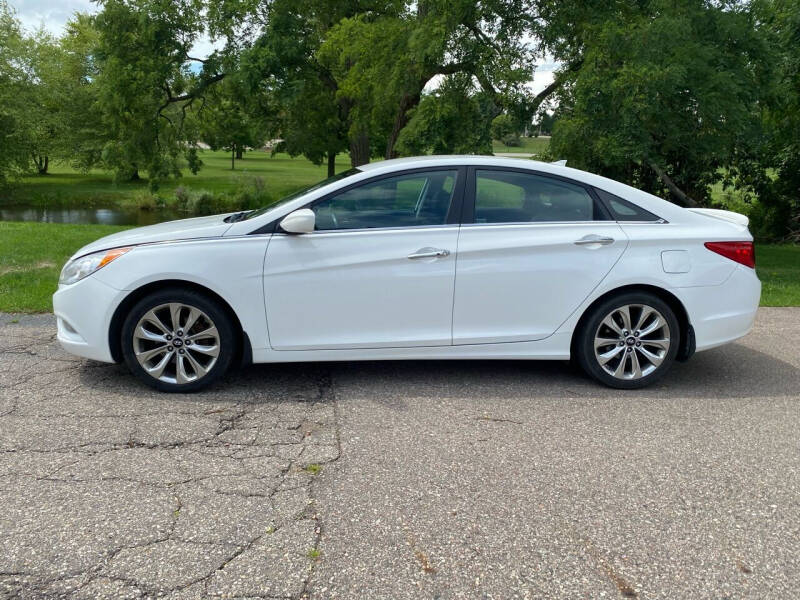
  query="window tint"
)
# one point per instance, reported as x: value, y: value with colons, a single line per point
x: 404, y: 201
x: 513, y: 197
x: 622, y: 210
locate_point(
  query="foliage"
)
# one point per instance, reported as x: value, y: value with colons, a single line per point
x: 232, y: 119
x: 779, y: 195
x: 283, y: 61
x: 664, y: 95
x: 453, y: 119
x: 15, y: 90
x: 503, y: 126
x: 145, y: 85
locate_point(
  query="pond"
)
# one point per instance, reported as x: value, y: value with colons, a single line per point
x: 80, y: 216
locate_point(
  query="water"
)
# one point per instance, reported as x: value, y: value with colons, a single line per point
x: 82, y: 216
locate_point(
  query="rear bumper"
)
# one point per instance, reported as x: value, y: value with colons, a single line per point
x: 722, y: 313
x: 83, y: 313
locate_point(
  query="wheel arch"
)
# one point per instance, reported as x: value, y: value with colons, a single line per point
x: 244, y: 347
x: 686, y: 332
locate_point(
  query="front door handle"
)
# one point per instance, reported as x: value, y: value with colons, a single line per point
x: 429, y: 253
x: 588, y: 240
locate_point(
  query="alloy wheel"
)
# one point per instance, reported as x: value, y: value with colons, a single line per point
x: 632, y: 341
x: 176, y: 343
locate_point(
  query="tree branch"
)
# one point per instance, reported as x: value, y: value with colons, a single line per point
x: 674, y: 189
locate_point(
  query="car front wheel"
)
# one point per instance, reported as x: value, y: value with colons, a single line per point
x: 178, y: 340
x: 629, y: 341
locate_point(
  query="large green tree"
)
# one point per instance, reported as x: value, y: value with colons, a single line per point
x: 145, y: 82
x: 16, y: 84
x: 663, y: 95
x: 772, y: 167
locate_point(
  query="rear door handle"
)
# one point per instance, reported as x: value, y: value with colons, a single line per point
x: 588, y: 240
x: 429, y: 253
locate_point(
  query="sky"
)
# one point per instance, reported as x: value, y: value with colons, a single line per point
x: 54, y: 14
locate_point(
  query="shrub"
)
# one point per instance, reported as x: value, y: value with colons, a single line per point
x: 251, y: 192
x: 182, y: 197
x: 201, y: 202
x: 512, y: 140
x: 145, y: 200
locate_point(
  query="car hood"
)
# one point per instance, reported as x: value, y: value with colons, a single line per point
x: 184, y: 229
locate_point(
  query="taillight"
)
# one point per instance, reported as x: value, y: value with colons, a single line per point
x: 743, y: 253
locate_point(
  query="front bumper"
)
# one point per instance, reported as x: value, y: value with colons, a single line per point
x: 83, y: 312
x: 722, y: 313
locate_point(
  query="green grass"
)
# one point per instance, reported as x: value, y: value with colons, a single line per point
x: 32, y: 254
x: 532, y: 145
x: 64, y: 186
x: 778, y: 267
x: 31, y: 257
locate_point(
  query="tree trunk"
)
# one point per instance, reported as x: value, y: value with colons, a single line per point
x: 233, y: 156
x: 41, y: 163
x: 684, y: 199
x: 359, y: 150
x: 408, y: 102
x: 239, y: 153
x: 331, y: 164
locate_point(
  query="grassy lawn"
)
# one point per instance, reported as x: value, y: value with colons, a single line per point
x: 31, y: 257
x: 779, y: 270
x: 64, y: 186
x: 532, y: 145
x: 32, y: 254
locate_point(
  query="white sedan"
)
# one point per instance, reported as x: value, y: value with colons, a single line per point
x: 459, y: 257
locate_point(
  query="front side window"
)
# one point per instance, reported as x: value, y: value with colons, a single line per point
x: 514, y: 197
x: 410, y: 200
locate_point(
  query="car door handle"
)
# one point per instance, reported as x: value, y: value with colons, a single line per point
x: 594, y: 239
x: 429, y: 253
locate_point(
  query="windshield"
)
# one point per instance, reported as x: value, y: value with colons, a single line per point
x: 302, y: 191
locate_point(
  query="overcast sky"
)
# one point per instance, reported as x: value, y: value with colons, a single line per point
x: 54, y: 14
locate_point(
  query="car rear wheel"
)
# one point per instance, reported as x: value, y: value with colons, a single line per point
x: 629, y: 341
x: 178, y: 340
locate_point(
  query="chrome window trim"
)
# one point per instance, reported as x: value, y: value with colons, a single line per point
x: 363, y: 230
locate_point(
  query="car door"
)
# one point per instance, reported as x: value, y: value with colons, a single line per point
x: 531, y: 249
x: 378, y: 271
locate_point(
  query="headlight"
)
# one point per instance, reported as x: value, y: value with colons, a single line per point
x: 77, y: 269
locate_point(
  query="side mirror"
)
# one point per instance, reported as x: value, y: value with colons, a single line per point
x: 299, y: 221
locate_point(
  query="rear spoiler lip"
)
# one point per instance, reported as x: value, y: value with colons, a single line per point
x: 723, y: 215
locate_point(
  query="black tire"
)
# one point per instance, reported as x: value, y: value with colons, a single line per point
x: 637, y: 350
x: 224, y: 342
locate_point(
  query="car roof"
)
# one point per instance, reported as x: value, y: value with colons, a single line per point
x: 451, y: 159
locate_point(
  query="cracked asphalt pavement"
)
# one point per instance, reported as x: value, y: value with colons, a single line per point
x: 401, y: 479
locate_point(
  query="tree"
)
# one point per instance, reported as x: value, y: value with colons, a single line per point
x: 230, y: 119
x: 662, y: 114
x: 15, y: 89
x: 283, y: 62
x: 383, y: 62
x: 771, y: 165
x: 145, y: 85
x: 452, y: 119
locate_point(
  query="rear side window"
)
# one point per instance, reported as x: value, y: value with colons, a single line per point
x: 622, y: 210
x: 514, y: 197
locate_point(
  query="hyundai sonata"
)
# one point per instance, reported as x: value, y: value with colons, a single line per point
x: 460, y: 257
